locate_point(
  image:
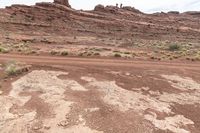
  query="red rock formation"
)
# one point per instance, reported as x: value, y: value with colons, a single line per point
x: 49, y: 19
x: 62, y: 2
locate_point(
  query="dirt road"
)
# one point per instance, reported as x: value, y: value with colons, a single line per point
x: 87, y: 95
x: 93, y: 61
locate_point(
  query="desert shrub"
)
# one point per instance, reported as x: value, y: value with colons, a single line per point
x: 33, y: 52
x: 64, y: 53
x: 11, y: 68
x: 117, y: 55
x: 174, y: 47
x: 96, y: 54
x: 106, y: 49
x: 89, y: 54
x: 3, y: 50
x: 152, y: 57
x: 80, y: 54
x: 197, y: 58
x: 127, y: 52
x: 53, y: 52
x: 116, y: 51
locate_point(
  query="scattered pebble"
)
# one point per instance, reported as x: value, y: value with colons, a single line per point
x: 47, y: 127
x: 145, y: 88
x: 127, y: 74
x: 92, y: 109
x: 63, y: 123
x: 155, y: 93
x: 37, y: 127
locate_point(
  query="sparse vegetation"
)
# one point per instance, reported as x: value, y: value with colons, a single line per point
x: 89, y: 54
x: 98, y: 49
x: 174, y: 47
x: 116, y: 51
x: 127, y: 52
x: 53, y: 52
x: 3, y: 50
x: 11, y: 68
x: 80, y: 54
x: 117, y: 55
x: 96, y: 54
x: 64, y: 53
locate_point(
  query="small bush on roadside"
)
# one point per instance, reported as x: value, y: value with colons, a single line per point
x: 117, y: 55
x: 89, y: 54
x: 98, y: 49
x: 64, y: 53
x: 53, y: 52
x: 96, y: 54
x: 174, y: 47
x: 80, y: 54
x: 116, y: 51
x: 11, y: 68
x: 3, y: 50
x: 127, y: 52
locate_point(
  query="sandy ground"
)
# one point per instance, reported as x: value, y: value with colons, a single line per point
x: 82, y: 95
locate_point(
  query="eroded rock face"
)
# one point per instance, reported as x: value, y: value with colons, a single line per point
x: 62, y: 2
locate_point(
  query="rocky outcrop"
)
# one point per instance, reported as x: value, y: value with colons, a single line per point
x: 62, y: 2
x: 107, y: 9
x: 114, y: 9
x: 129, y: 8
x: 99, y: 8
x: 173, y: 12
x: 193, y: 13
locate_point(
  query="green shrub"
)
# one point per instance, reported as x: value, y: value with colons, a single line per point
x: 116, y: 51
x: 89, y: 54
x: 174, y: 47
x: 64, y: 53
x: 117, y: 55
x: 3, y: 50
x: 127, y: 52
x: 11, y: 68
x: 80, y: 54
x: 98, y: 49
x: 96, y: 54
x: 53, y: 52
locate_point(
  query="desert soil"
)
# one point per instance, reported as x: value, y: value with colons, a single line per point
x: 84, y: 95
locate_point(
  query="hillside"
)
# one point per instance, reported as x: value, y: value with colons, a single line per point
x: 127, y: 27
